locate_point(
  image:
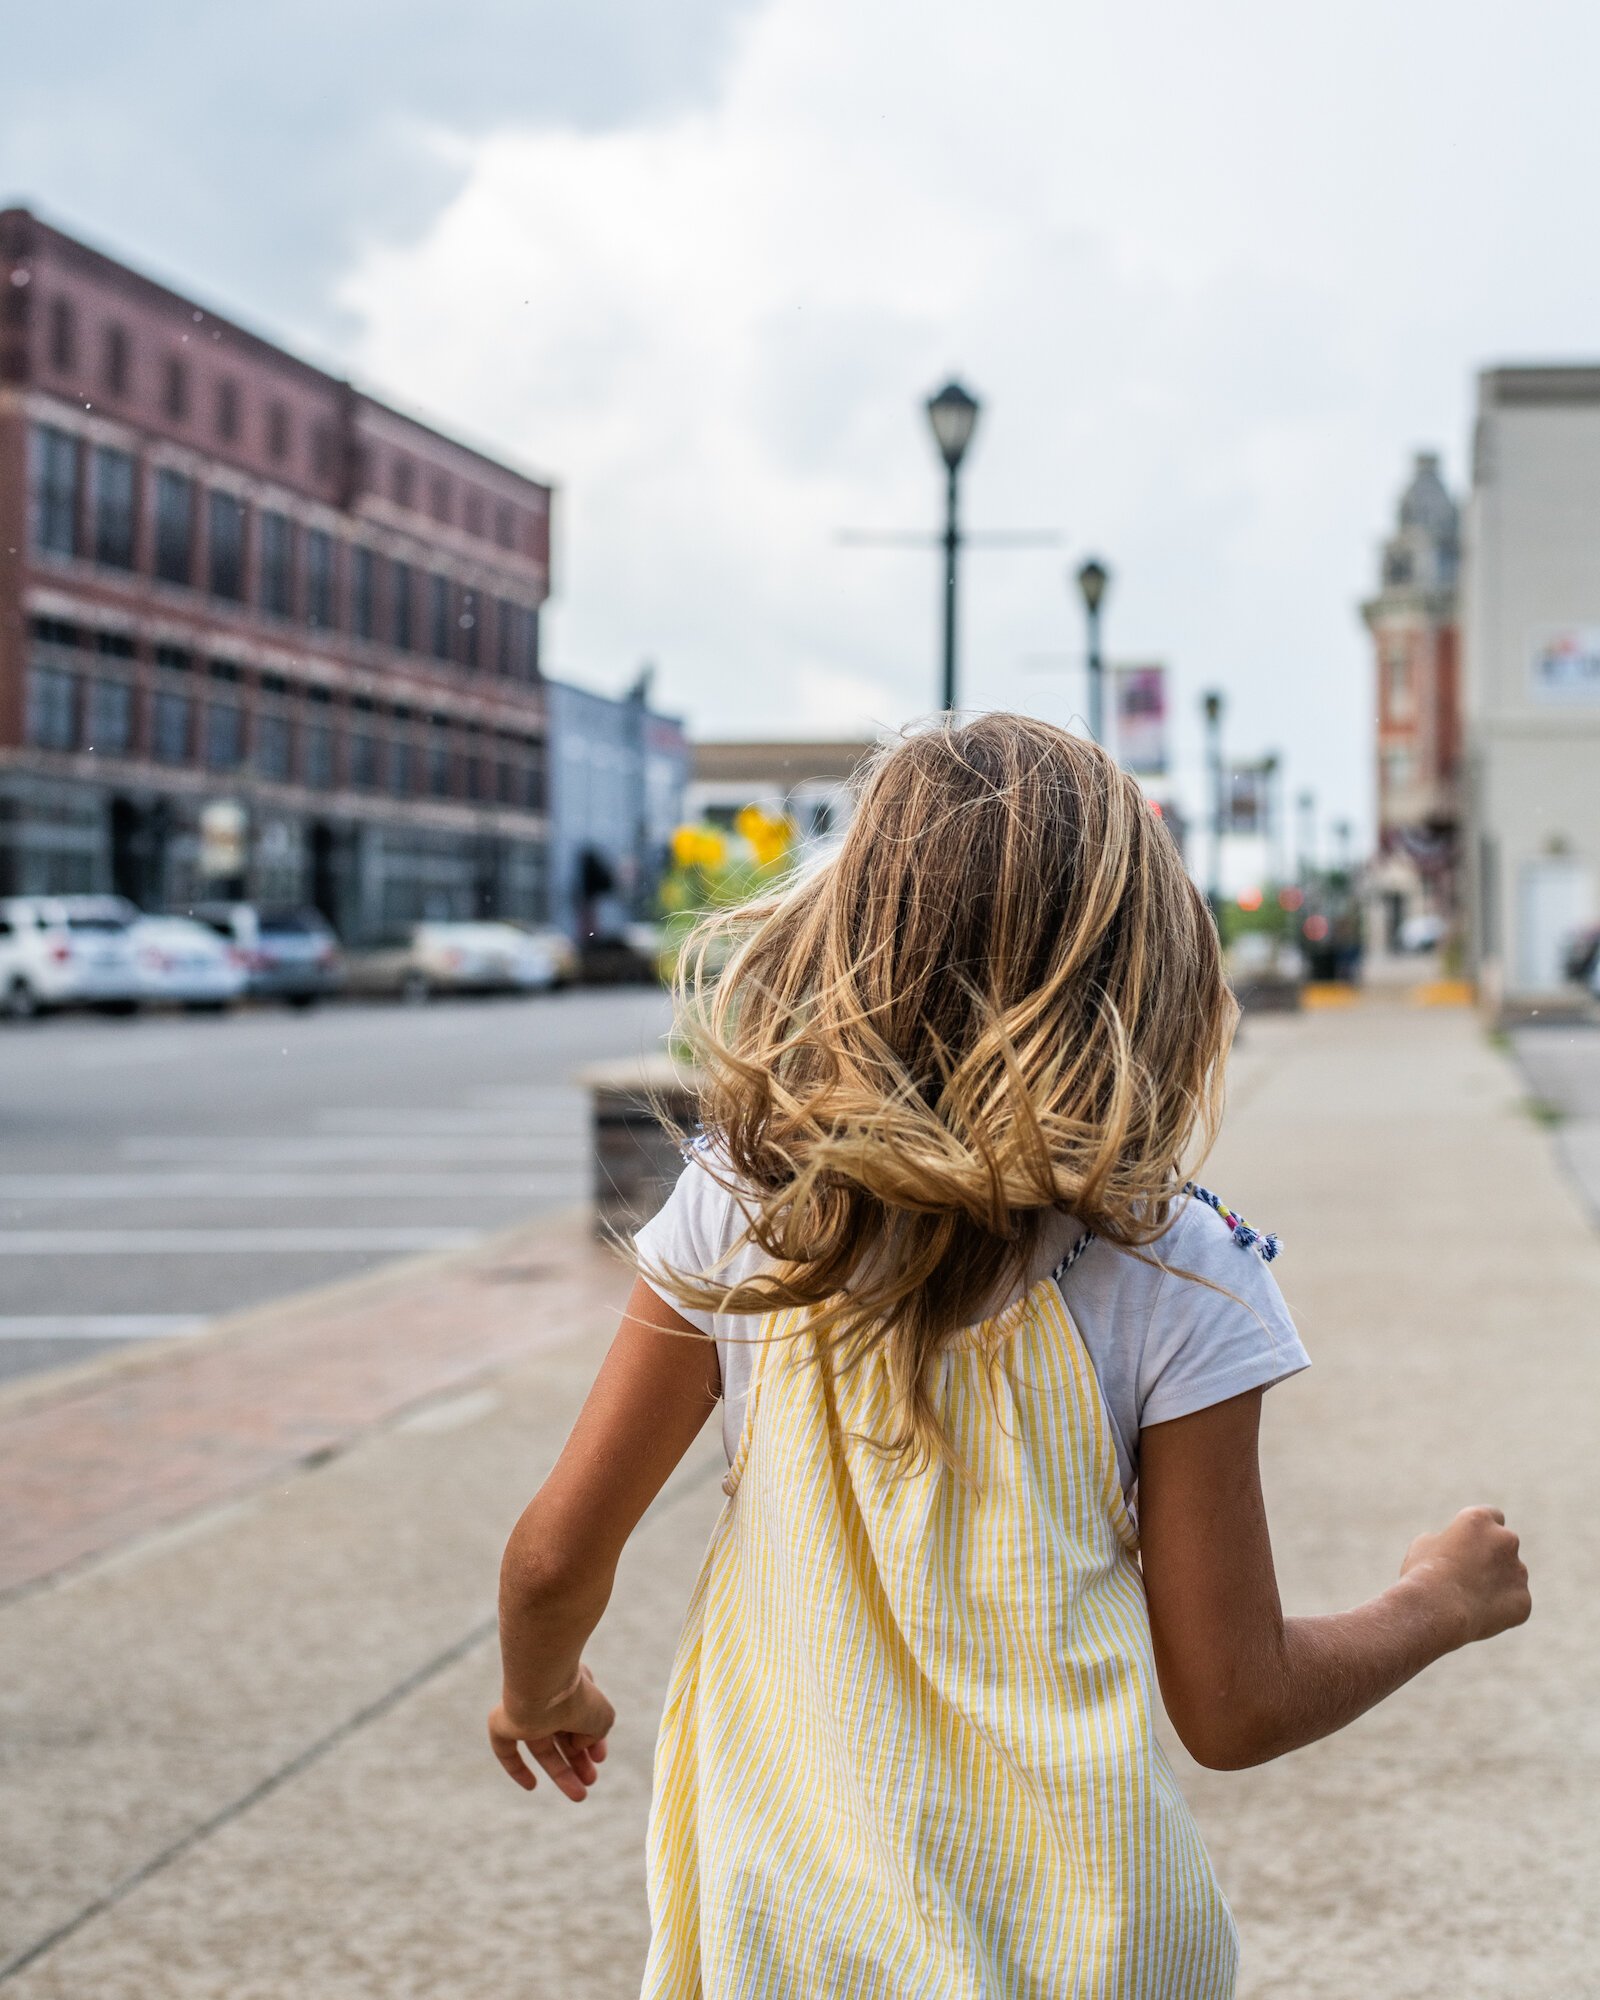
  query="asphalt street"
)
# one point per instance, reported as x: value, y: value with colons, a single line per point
x: 1562, y: 1065
x: 157, y: 1172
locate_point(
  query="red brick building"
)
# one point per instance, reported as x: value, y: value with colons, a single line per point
x: 260, y: 633
x: 1414, y: 622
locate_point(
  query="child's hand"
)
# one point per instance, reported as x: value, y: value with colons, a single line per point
x: 1474, y: 1565
x: 567, y: 1738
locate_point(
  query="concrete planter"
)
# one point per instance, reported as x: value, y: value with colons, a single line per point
x: 636, y: 1158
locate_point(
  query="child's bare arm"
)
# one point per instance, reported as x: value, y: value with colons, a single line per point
x: 655, y: 1389
x: 1241, y: 1682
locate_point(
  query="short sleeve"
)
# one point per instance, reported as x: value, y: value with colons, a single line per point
x: 1218, y: 1322
x: 693, y: 1231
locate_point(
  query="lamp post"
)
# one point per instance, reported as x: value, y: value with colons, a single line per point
x: 1093, y: 577
x: 953, y: 415
x: 1211, y: 704
x: 1306, y: 838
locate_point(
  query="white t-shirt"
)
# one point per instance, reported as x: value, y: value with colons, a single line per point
x: 1162, y: 1346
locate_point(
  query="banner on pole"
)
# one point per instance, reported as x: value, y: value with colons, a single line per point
x: 1141, y: 738
x: 1249, y: 804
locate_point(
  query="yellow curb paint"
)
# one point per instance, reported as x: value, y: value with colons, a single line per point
x: 1318, y: 994
x: 1445, y: 993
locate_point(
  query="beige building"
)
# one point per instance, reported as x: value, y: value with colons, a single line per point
x: 1531, y: 617
x: 810, y: 783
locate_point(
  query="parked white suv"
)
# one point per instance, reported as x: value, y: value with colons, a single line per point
x: 66, y: 951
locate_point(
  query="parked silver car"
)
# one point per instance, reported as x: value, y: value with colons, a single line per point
x: 287, y: 954
x: 184, y: 964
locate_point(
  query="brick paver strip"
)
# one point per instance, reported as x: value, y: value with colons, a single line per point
x: 113, y: 1453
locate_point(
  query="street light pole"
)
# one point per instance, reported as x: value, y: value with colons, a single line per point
x: 1306, y: 838
x: 953, y: 415
x: 1093, y: 577
x: 1211, y: 703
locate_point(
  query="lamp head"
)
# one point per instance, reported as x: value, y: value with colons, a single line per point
x: 1093, y: 576
x: 953, y: 414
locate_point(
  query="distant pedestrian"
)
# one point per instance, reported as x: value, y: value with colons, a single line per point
x: 991, y: 1372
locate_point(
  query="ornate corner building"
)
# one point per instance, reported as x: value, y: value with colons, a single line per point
x: 260, y: 634
x: 1414, y: 621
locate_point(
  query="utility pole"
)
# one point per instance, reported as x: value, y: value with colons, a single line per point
x: 1212, y: 705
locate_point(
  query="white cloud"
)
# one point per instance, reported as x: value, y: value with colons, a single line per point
x: 1214, y: 271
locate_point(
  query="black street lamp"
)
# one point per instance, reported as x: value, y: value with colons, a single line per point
x: 953, y: 415
x: 1211, y: 704
x: 1093, y: 577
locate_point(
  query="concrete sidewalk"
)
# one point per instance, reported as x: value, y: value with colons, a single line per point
x: 242, y: 1723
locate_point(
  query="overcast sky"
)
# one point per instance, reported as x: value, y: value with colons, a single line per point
x: 1214, y: 272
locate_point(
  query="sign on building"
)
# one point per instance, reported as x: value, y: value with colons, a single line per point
x: 1565, y: 666
x: 1142, y: 720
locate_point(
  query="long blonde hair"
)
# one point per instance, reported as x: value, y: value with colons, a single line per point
x: 1001, y: 998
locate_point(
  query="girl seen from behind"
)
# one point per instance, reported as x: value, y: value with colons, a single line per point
x: 991, y: 1372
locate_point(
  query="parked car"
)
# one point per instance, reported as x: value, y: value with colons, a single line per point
x: 546, y: 957
x: 66, y: 951
x: 185, y: 964
x: 287, y: 954
x: 628, y: 957
x: 1582, y: 961
x: 433, y: 958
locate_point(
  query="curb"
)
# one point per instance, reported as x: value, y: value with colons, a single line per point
x: 78, y: 1378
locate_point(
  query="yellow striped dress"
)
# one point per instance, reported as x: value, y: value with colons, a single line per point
x: 908, y: 1745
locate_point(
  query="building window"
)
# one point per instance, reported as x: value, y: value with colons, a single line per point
x: 1398, y: 768
x: 467, y: 629
x: 401, y: 621
x: 119, y: 360
x: 505, y: 525
x: 533, y: 780
x: 403, y: 482
x: 63, y: 335
x: 1399, y: 676
x: 169, y: 727
x: 225, y: 521
x: 402, y: 774
x: 224, y: 735
x: 364, y: 760
x: 319, y: 755
x: 113, y: 507
x: 110, y: 721
x: 525, y: 650
x: 440, y: 497
x: 439, y: 617
x: 278, y: 431
x: 363, y: 592
x: 174, y: 527
x: 439, y: 759
x: 54, y: 468
x: 228, y: 408
x: 52, y: 717
x: 472, y: 512
x: 175, y: 389
x: 273, y: 746
x: 319, y: 579
x: 323, y: 451
x: 276, y: 577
